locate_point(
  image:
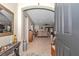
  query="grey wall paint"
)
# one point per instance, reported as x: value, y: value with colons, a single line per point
x: 67, y: 35
x: 40, y: 17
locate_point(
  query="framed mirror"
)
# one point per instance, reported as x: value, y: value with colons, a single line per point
x: 6, y: 21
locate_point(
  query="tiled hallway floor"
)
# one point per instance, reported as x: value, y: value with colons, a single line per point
x: 39, y: 47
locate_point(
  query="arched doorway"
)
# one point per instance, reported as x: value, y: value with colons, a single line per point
x: 26, y: 17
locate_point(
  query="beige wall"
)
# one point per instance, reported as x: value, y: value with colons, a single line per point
x: 12, y: 7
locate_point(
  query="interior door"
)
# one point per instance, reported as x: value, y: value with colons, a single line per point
x: 75, y: 29
x: 63, y: 28
x: 67, y: 27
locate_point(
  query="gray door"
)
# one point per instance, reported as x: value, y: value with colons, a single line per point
x: 67, y: 27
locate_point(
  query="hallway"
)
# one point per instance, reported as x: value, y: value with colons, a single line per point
x: 41, y: 27
x: 39, y: 47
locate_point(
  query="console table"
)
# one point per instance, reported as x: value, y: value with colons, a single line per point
x: 11, y: 48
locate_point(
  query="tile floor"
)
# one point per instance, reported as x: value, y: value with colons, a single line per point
x: 39, y: 47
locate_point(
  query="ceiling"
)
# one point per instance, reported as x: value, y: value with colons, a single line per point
x: 41, y: 16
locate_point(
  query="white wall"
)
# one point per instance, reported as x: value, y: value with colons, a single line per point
x: 36, y: 27
x: 26, y: 24
x: 25, y: 30
x: 30, y: 24
x: 12, y: 7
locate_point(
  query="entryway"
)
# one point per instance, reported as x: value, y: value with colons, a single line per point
x: 38, y: 23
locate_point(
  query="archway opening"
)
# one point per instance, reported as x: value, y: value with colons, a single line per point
x: 29, y: 14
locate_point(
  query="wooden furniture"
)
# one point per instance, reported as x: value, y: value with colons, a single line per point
x: 30, y: 36
x: 53, y: 50
x: 53, y: 45
x: 10, y: 49
x: 35, y: 34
